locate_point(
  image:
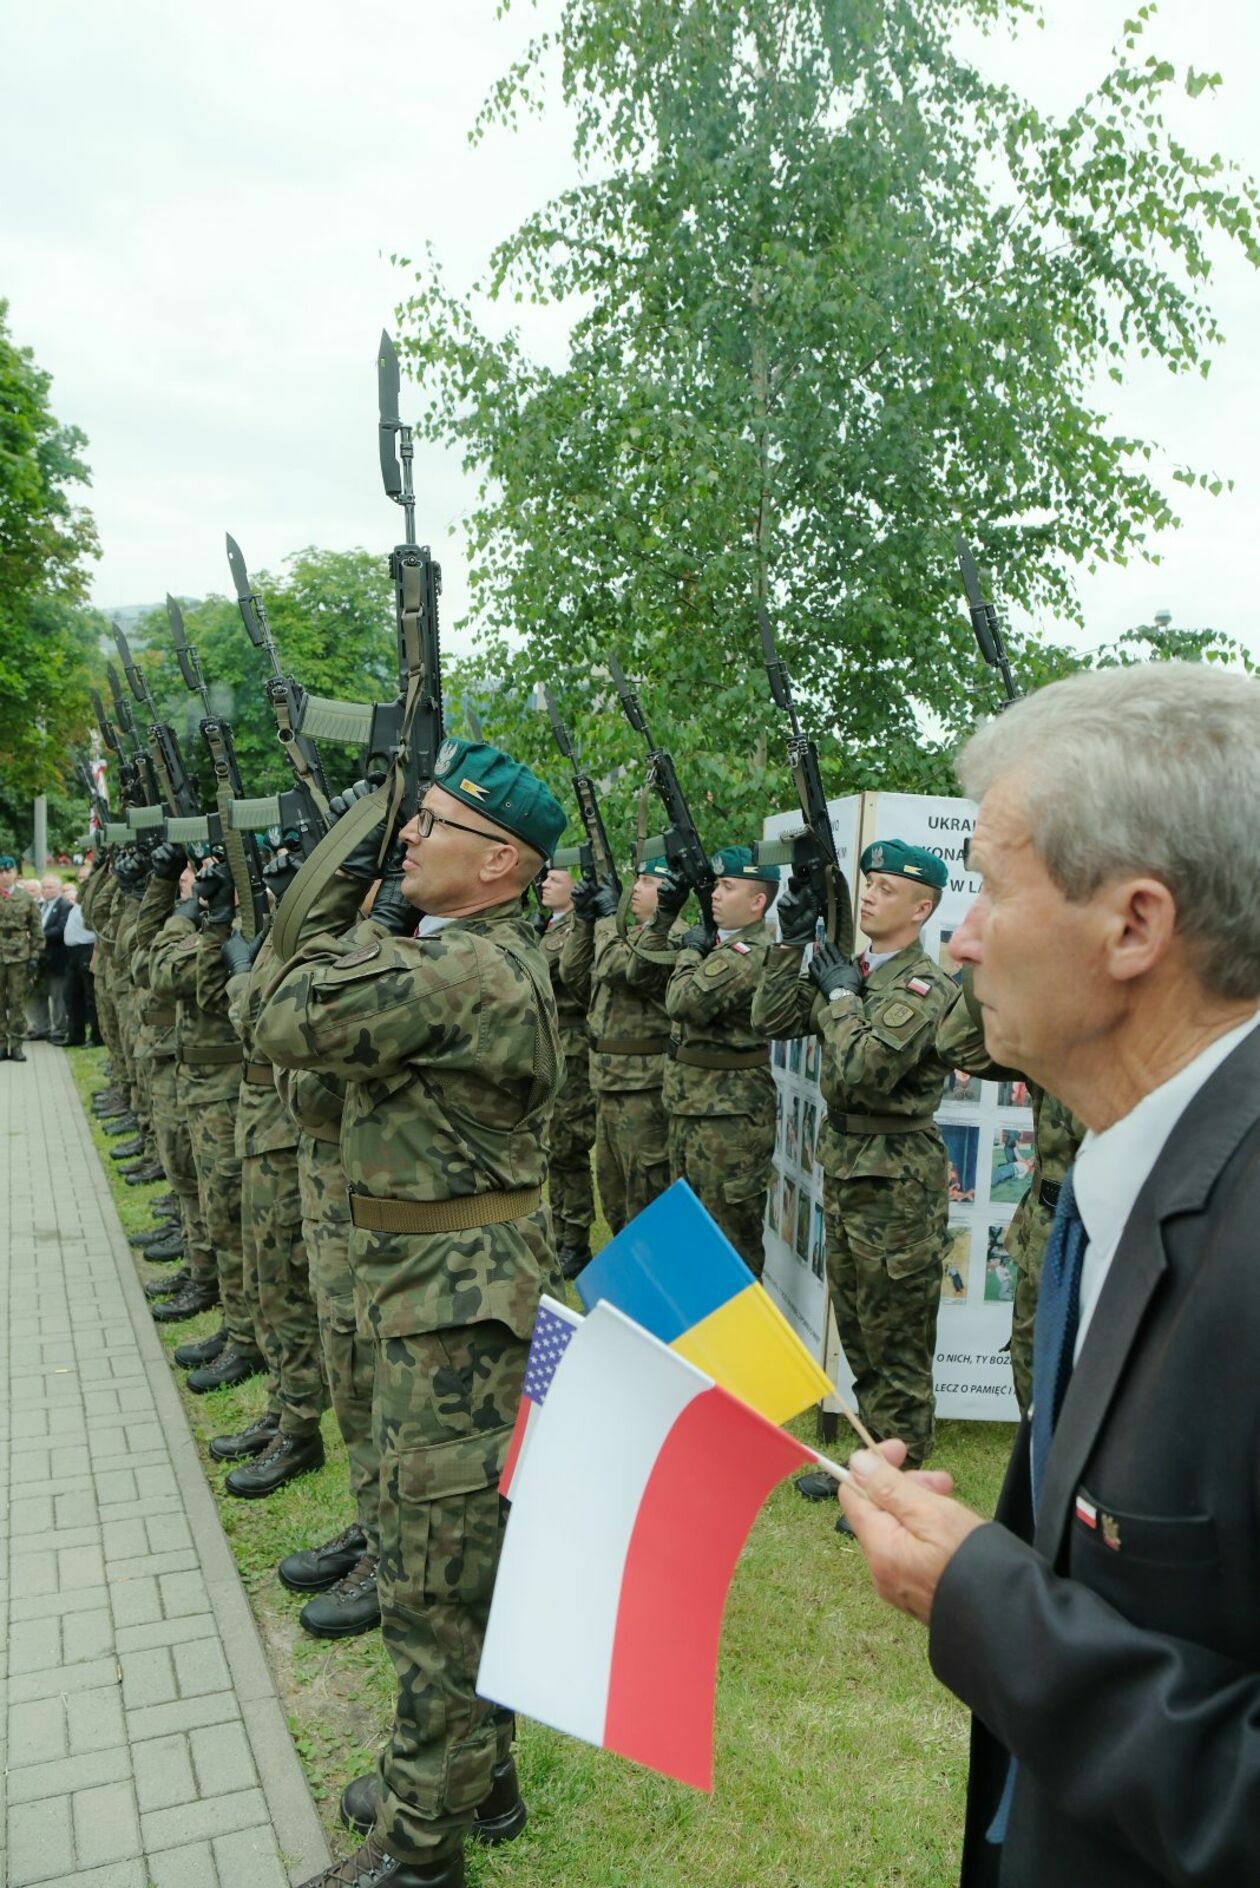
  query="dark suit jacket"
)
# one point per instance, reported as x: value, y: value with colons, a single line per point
x: 54, y: 935
x: 1121, y: 1662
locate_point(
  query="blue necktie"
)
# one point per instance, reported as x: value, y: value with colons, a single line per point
x: 1054, y: 1347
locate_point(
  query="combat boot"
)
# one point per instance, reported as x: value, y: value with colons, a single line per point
x: 353, y: 1605
x: 166, y: 1203
x: 572, y: 1259
x: 817, y: 1485
x: 373, y: 1866
x: 315, y: 1568
x: 231, y: 1366
x: 168, y: 1246
x: 500, y: 1818
x: 202, y: 1350
x: 252, y: 1440
x: 128, y: 1150
x: 17, y: 1053
x: 193, y: 1299
x: 124, y: 1123
x: 158, y: 1230
x: 145, y: 1174
x: 282, y: 1461
x: 168, y: 1287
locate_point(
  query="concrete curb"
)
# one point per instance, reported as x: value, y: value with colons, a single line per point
x: 299, y: 1832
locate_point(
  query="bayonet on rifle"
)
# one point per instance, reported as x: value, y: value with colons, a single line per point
x: 596, y: 856
x: 812, y: 853
x: 144, y: 782
x: 240, y: 848
x: 984, y: 621
x: 682, y: 843
x: 166, y: 758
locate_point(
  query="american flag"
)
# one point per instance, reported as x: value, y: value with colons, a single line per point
x: 553, y: 1328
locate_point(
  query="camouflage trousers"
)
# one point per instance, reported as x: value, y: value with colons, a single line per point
x: 127, y: 1033
x: 572, y: 1137
x: 107, y: 1021
x: 14, y: 984
x: 727, y: 1160
x: 208, y: 1098
x: 444, y: 1406
x: 886, y: 1246
x: 631, y: 1152
x: 176, y: 1155
x: 277, y: 1283
x: 349, y: 1354
x: 1026, y: 1242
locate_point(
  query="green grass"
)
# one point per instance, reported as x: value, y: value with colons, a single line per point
x: 840, y: 1763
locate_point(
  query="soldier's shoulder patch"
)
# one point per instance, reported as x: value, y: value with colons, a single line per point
x: 738, y: 944
x: 919, y: 985
x: 364, y: 955
x: 896, y: 1014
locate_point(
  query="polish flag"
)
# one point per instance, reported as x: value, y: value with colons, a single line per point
x: 629, y: 1513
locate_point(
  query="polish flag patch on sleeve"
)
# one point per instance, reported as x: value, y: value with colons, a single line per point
x: 739, y: 945
x: 918, y: 985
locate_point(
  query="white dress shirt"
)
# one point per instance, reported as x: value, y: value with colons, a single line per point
x: 1112, y: 1167
x: 76, y: 929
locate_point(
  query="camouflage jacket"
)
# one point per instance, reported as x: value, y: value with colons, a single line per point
x: 155, y: 908
x: 597, y: 964
x: 450, y: 1048
x: 879, y: 1058
x: 709, y: 1000
x: 95, y: 885
x: 21, y: 932
x: 1057, y: 1132
x: 570, y: 1006
x: 264, y: 1124
x: 173, y: 974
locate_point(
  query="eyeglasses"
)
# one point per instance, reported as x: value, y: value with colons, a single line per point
x: 427, y: 819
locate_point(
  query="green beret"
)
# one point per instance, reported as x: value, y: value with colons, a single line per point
x: 738, y: 862
x: 503, y: 790
x: 899, y: 860
x: 657, y: 867
x: 7, y: 862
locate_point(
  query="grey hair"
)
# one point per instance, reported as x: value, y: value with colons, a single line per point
x: 1152, y: 770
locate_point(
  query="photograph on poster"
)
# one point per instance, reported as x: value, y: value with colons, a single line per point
x: 787, y: 1216
x: 802, y: 1226
x: 778, y: 1121
x: 1013, y: 1152
x: 1012, y: 1094
x: 957, y: 1268
x: 813, y: 1058
x: 962, y: 1144
x: 999, y: 1271
x: 809, y: 1131
x: 792, y: 1145
x: 960, y: 1086
x: 818, y: 1250
x: 772, y: 1200
x: 796, y: 1049
x: 779, y: 1052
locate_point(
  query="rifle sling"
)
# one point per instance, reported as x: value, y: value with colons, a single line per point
x: 296, y: 758
x: 337, y: 844
x: 238, y: 864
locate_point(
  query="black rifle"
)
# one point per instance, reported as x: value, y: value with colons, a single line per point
x: 812, y: 853
x: 240, y: 847
x: 406, y: 733
x: 680, y: 841
x: 304, y: 807
x: 178, y: 791
x: 596, y: 856
x: 100, y: 816
x: 144, y: 803
x: 984, y: 620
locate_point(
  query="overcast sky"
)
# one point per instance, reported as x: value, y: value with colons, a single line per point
x: 200, y: 204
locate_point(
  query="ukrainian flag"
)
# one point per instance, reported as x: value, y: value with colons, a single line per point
x: 674, y: 1271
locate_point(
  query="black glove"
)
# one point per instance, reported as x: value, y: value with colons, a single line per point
x: 798, y: 912
x: 593, y: 898
x: 280, y: 873
x: 238, y: 952
x: 698, y: 939
x: 834, y: 973
x: 216, y: 893
x: 34, y: 967
x: 188, y: 908
x: 129, y: 869
x: 390, y: 909
x: 362, y: 862
x: 672, y: 893
x: 168, y: 861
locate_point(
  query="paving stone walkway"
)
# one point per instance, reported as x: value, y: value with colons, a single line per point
x: 146, y: 1747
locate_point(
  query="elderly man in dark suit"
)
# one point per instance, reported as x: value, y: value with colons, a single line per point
x: 46, y: 1009
x: 1105, y: 1628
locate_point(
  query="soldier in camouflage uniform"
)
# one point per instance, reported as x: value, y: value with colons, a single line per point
x: 573, y: 1124
x: 884, y: 1162
x: 104, y: 892
x: 21, y: 948
x: 1057, y: 1134
x: 276, y: 1271
x: 629, y: 1033
x: 719, y: 1092
x: 449, y: 1045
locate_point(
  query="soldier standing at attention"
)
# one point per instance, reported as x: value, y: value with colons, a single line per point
x: 21, y: 949
x: 719, y: 1092
x: 629, y: 1034
x: 449, y: 1044
x: 573, y: 1124
x: 883, y: 1159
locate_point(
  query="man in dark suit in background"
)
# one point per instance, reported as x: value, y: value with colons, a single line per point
x: 1105, y: 1629
x: 47, y: 1008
